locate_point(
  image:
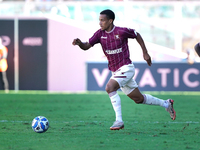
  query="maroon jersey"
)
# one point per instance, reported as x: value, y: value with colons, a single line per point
x: 114, y: 45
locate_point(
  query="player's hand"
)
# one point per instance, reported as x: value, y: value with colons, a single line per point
x: 147, y: 58
x: 76, y: 41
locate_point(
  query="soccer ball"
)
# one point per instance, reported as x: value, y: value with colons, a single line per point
x: 40, y: 124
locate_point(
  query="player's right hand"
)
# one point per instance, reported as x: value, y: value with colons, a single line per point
x: 147, y: 58
x: 76, y: 41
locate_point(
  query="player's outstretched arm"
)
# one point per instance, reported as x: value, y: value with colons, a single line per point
x: 83, y: 46
x: 144, y: 49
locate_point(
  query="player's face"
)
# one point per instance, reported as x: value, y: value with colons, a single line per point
x: 105, y: 23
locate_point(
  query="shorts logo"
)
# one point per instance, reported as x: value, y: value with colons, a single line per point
x: 119, y: 76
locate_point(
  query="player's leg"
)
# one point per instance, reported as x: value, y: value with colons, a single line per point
x: 151, y: 100
x: 119, y: 79
x: 111, y: 88
x: 146, y: 99
x: 5, y: 80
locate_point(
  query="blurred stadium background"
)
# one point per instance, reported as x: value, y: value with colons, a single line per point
x: 39, y: 33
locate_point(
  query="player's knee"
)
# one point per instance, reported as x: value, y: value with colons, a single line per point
x: 110, y: 88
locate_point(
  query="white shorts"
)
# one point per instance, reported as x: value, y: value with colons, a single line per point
x: 124, y: 77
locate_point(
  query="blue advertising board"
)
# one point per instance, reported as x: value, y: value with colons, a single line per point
x: 158, y: 77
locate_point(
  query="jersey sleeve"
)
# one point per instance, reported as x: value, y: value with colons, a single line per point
x: 130, y: 33
x: 95, y: 38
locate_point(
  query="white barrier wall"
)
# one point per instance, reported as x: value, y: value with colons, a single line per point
x: 67, y: 63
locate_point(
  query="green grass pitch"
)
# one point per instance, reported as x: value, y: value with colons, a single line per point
x: 81, y: 122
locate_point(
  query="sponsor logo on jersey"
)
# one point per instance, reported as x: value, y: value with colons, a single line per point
x: 116, y: 51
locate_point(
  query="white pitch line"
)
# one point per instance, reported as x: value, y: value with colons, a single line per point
x: 134, y: 122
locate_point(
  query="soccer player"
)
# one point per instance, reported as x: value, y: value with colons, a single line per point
x: 4, y: 65
x: 114, y: 42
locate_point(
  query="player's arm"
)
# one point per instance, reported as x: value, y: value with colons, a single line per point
x: 82, y: 45
x: 144, y: 49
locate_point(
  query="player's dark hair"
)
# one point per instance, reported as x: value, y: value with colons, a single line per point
x: 109, y: 13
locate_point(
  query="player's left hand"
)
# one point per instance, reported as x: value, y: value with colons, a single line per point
x: 147, y: 58
x: 76, y: 41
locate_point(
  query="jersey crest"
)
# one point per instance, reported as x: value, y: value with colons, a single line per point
x: 117, y: 37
